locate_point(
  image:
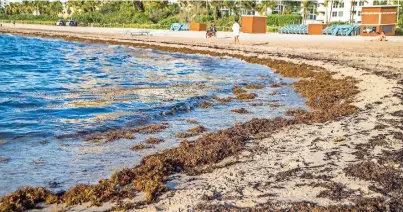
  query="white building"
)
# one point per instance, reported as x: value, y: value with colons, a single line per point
x: 3, y: 3
x: 336, y: 10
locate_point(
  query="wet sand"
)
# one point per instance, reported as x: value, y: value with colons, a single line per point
x: 301, y: 162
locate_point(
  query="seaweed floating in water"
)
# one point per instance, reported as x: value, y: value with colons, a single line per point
x: 191, y: 121
x: 205, y: 104
x: 222, y: 100
x: 275, y: 105
x: 245, y: 96
x: 254, y: 86
x: 140, y: 146
x: 151, y: 129
x: 240, y: 110
x: 153, y: 140
x: 238, y: 90
x: 192, y: 132
x: 276, y: 85
x: 256, y: 104
x: 4, y: 160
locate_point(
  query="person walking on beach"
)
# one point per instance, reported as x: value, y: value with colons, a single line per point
x: 236, y: 30
x: 14, y: 23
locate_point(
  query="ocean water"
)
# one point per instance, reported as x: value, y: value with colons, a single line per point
x: 53, y: 91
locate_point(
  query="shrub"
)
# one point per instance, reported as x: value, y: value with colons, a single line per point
x: 281, y: 20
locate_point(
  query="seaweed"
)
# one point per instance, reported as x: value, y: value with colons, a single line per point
x: 151, y: 129
x: 192, y: 132
x: 245, y: 96
x: 26, y: 198
x: 191, y: 121
x: 240, y: 110
x: 205, y: 104
x: 222, y: 100
x: 4, y: 160
x: 139, y: 147
x: 254, y: 86
x: 276, y: 105
x: 153, y: 140
x: 238, y: 90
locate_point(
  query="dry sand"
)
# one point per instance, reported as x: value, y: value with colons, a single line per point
x: 290, y: 165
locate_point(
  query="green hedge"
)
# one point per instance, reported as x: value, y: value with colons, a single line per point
x: 29, y: 17
x: 399, y: 31
x: 281, y: 20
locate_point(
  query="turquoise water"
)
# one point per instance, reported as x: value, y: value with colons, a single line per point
x: 53, y: 91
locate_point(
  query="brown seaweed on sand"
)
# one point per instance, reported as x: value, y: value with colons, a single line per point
x: 191, y: 121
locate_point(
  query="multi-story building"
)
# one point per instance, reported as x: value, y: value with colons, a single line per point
x: 3, y: 3
x: 336, y: 10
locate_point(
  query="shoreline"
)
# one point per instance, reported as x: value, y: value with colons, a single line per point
x: 365, y: 98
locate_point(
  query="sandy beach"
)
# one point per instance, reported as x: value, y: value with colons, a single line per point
x: 345, y: 161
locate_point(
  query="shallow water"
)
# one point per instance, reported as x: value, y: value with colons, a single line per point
x: 52, y: 90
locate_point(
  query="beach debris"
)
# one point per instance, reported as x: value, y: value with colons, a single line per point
x: 4, y: 160
x: 191, y: 121
x: 238, y: 90
x: 153, y: 140
x: 140, y: 146
x: 254, y: 86
x: 240, y: 110
x: 205, y: 104
x: 192, y: 132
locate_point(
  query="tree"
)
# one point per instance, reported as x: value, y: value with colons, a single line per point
x: 326, y: 4
x: 307, y: 6
x: 265, y: 4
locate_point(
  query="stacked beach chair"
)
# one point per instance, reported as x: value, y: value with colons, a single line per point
x: 342, y: 30
x: 179, y: 27
x: 294, y: 29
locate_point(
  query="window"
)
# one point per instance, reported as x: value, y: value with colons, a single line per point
x: 342, y: 5
x: 387, y: 29
x: 359, y: 13
x: 334, y: 14
x: 361, y: 3
x: 355, y: 3
x: 335, y: 5
x: 340, y: 13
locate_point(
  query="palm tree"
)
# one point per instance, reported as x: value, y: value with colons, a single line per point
x: 215, y: 6
x: 307, y: 5
x: 326, y: 4
x: 264, y: 4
